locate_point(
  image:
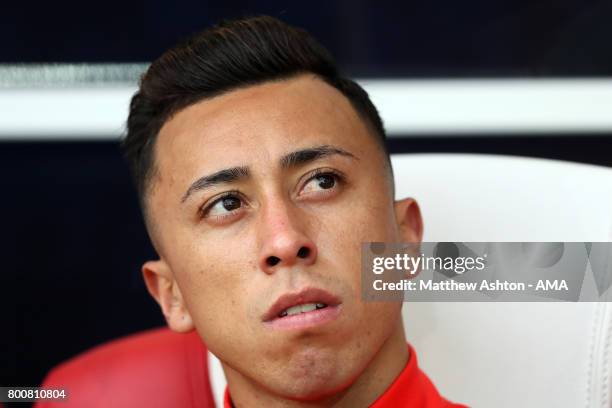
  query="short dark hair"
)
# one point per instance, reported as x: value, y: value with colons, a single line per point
x: 231, y: 55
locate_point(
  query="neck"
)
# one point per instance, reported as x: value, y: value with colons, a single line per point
x: 383, y: 369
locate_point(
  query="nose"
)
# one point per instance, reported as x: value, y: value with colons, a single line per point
x: 284, y: 239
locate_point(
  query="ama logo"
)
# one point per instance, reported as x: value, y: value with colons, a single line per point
x: 545, y: 284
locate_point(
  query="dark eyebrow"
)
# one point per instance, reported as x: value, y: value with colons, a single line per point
x: 292, y: 159
x: 307, y: 155
x: 222, y: 176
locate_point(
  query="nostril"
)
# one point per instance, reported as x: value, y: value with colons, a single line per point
x: 272, y: 260
x: 303, y: 252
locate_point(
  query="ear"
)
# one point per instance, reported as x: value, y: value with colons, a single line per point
x: 409, y: 220
x: 164, y: 289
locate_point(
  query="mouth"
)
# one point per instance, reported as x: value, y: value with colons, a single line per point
x: 306, y: 308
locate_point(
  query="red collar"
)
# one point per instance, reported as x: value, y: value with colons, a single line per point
x: 412, y: 388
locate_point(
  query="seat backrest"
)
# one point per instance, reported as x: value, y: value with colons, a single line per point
x: 511, y: 354
x: 157, y: 368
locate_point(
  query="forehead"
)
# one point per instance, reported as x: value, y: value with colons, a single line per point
x: 257, y: 124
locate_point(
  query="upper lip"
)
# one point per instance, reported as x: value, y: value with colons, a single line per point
x: 307, y: 295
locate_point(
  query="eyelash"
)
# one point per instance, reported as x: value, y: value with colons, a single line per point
x: 204, y: 210
x: 338, y: 177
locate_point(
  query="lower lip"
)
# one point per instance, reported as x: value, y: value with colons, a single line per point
x: 306, y: 320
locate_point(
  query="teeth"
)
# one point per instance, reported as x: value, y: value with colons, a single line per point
x: 308, y: 307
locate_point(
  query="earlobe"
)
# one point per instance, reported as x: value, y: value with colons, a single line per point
x: 409, y: 220
x: 161, y: 284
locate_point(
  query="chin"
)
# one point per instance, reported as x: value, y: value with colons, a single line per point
x: 313, y: 375
x: 313, y: 390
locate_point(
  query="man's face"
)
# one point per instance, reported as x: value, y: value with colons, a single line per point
x: 261, y: 200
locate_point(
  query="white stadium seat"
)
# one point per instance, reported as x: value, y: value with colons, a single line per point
x: 511, y: 354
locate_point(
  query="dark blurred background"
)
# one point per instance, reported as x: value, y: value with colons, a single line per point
x: 372, y: 39
x: 72, y: 236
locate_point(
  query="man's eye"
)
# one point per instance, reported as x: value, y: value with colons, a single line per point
x: 321, y: 182
x: 223, y: 206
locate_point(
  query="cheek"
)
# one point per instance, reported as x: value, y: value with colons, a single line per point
x: 368, y: 218
x: 377, y: 323
x: 212, y: 279
x: 357, y: 219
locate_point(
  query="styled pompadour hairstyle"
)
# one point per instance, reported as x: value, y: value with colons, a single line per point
x: 231, y: 55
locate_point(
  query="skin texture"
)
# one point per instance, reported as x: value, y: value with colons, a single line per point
x: 213, y: 273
